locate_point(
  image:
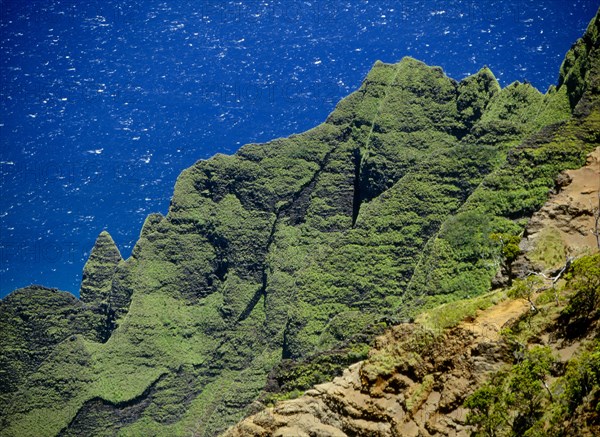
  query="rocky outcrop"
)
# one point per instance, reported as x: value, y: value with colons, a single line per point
x: 566, y: 225
x: 413, y: 384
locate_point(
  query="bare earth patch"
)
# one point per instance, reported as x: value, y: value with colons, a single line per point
x: 490, y: 322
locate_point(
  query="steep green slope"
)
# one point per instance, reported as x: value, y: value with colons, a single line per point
x: 296, y: 247
x: 486, y: 366
x: 96, y: 283
x: 34, y: 321
x: 462, y: 259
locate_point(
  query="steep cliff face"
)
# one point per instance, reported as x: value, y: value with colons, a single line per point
x: 34, y: 321
x: 580, y: 72
x: 306, y: 247
x: 459, y: 382
x: 99, y: 270
x: 413, y: 384
x: 566, y: 225
x: 96, y: 285
x: 457, y: 260
x: 437, y: 376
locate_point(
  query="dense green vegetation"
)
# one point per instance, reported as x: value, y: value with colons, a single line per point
x: 537, y: 396
x: 280, y: 263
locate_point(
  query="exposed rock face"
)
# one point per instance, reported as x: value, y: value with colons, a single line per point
x: 572, y: 211
x: 412, y: 385
x: 566, y: 224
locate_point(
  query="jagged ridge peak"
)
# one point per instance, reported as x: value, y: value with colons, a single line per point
x: 99, y: 270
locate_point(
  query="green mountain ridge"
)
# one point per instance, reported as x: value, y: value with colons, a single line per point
x: 276, y: 266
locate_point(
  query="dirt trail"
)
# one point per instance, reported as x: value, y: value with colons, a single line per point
x: 421, y: 397
x: 488, y: 323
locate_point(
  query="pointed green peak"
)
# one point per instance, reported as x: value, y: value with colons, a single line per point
x: 105, y: 248
x: 474, y: 95
x: 485, y: 77
x: 105, y: 238
x: 488, y: 74
x: 151, y: 225
x: 410, y: 60
x: 99, y: 270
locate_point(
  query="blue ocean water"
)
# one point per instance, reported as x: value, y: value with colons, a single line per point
x: 103, y: 103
